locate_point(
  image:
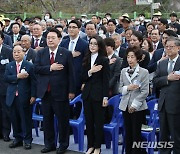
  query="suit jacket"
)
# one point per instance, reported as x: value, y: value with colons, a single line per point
x: 7, y: 40
x: 169, y: 90
x: 41, y: 44
x: 153, y: 62
x: 31, y: 55
x: 18, y: 39
x: 160, y: 45
x: 5, y: 58
x: 97, y: 85
x: 135, y: 98
x: 61, y: 82
x: 115, y: 71
x: 82, y: 47
x: 26, y: 87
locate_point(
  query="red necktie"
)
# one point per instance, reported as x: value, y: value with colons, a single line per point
x: 154, y: 47
x: 51, y: 62
x: 17, y: 69
x: 36, y: 43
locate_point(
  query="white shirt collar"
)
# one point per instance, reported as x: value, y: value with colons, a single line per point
x: 75, y: 40
x: 110, y: 56
x: 39, y: 38
x: 55, y: 52
x: 93, y: 58
x: 20, y: 63
x: 0, y: 48
x: 175, y: 59
x: 117, y: 51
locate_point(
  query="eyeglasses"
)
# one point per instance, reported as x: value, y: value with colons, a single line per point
x: 72, y: 27
x: 93, y: 44
x: 170, y: 47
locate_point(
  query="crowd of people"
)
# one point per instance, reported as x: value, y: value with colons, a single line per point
x: 59, y: 59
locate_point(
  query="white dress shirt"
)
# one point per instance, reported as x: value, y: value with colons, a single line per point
x: 74, y: 42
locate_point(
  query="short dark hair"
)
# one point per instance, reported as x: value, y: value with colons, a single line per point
x: 164, y: 21
x: 76, y: 22
x: 58, y: 26
x: 113, y: 21
x: 170, y: 33
x: 19, y: 18
x: 2, y: 35
x: 142, y: 14
x: 137, y: 52
x: 90, y: 23
x: 138, y: 35
x: 15, y: 23
x: 173, y: 14
x: 109, y: 42
x: 56, y: 31
x: 150, y: 23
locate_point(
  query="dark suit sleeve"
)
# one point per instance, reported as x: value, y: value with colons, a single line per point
x: 71, y: 73
x: 106, y: 77
x: 10, y: 78
x: 160, y: 81
x: 144, y: 63
x: 116, y: 73
x: 41, y: 69
x: 33, y: 82
x: 152, y: 64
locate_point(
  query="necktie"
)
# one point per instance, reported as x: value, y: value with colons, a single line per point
x: 17, y: 69
x: 36, y: 43
x: 154, y: 47
x: 170, y: 69
x: 71, y: 46
x: 25, y: 56
x: 52, y: 58
x: 51, y: 62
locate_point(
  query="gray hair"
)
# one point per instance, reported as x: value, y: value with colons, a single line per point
x: 176, y: 40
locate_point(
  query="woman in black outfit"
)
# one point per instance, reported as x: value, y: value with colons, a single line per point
x: 95, y: 92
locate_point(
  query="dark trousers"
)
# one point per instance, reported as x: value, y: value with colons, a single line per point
x: 5, y: 117
x: 133, y: 123
x: 60, y: 109
x: 21, y: 116
x: 169, y: 131
x: 94, y: 116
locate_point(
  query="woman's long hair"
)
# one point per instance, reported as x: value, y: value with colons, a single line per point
x: 101, y: 49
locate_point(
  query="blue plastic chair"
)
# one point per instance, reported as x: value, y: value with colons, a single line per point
x: 36, y: 117
x: 112, y: 129
x: 78, y: 124
x: 149, y: 136
x: 39, y: 117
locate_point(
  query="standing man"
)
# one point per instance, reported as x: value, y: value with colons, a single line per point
x: 5, y: 58
x: 30, y: 54
x: 168, y: 80
x: 78, y: 47
x: 54, y: 66
x: 21, y: 94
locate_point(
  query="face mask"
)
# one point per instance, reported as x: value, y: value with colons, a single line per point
x: 141, y: 18
x: 46, y: 17
x: 101, y: 32
x: 136, y: 23
x: 83, y: 19
x: 108, y: 18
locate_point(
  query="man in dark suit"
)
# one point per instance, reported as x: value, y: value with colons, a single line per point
x: 160, y: 54
x: 20, y: 95
x: 167, y: 79
x: 15, y: 37
x: 78, y: 47
x: 30, y: 54
x: 155, y: 37
x: 38, y: 41
x: 54, y: 66
x: 5, y: 58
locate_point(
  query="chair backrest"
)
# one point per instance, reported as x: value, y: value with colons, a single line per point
x: 78, y: 99
x: 152, y: 106
x: 114, y: 101
x: 151, y: 97
x: 37, y: 102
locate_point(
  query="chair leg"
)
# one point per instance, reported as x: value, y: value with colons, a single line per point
x: 36, y: 127
x: 75, y: 133
x: 115, y: 142
x: 108, y: 140
x: 81, y: 138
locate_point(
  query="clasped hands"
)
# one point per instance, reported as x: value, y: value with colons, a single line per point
x: 132, y: 87
x: 22, y: 75
x: 56, y: 67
